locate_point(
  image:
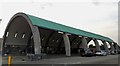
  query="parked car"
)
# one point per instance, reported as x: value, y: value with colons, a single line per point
x: 112, y: 52
x: 118, y: 51
x: 100, y: 53
x: 87, y: 53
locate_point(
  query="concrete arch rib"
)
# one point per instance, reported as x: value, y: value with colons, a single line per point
x: 32, y: 29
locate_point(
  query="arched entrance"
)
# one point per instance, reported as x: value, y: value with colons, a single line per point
x: 21, y: 37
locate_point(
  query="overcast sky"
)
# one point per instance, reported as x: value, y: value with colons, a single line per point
x: 97, y: 16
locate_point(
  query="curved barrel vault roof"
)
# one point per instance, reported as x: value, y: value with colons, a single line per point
x: 59, y: 27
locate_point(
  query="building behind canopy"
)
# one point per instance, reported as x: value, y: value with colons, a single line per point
x: 27, y: 34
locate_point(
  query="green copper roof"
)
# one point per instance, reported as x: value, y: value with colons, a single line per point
x: 59, y: 27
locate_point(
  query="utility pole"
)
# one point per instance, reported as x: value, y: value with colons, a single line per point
x: 0, y: 20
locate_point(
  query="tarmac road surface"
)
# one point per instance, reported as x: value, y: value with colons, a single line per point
x: 110, y: 59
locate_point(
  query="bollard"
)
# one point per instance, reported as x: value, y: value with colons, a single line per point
x: 9, y: 60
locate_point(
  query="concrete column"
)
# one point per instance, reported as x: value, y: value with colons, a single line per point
x: 97, y: 44
x: 106, y: 47
x: 112, y: 47
x: 67, y: 44
x: 84, y: 43
x: 37, y: 40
